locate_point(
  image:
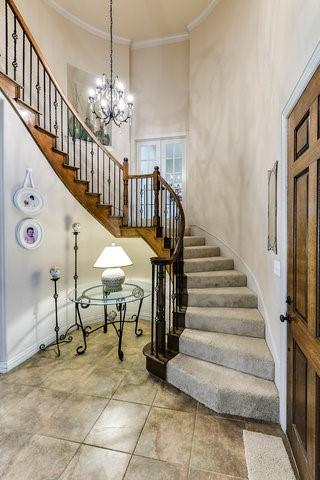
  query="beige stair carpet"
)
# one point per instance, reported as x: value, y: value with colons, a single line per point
x: 224, y: 361
x: 266, y: 457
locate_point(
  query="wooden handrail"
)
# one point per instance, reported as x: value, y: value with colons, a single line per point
x: 37, y: 50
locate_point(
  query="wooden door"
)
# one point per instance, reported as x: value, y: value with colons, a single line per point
x: 303, y: 280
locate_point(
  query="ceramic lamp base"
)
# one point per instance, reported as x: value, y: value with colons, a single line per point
x: 112, y: 279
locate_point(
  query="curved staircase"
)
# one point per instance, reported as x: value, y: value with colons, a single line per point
x: 207, y: 336
x: 223, y: 361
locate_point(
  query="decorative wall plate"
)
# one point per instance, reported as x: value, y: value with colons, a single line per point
x: 28, y: 199
x: 30, y: 234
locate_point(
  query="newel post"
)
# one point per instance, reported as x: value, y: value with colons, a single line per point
x: 125, y: 191
x: 156, y: 190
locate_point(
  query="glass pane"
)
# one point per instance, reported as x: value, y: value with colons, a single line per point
x: 169, y: 165
x: 146, y: 166
x: 178, y: 149
x: 144, y: 152
x: 178, y: 165
x: 169, y: 150
x: 152, y: 153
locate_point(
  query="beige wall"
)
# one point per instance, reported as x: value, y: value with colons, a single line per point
x: 245, y: 60
x: 159, y: 79
x: 63, y: 43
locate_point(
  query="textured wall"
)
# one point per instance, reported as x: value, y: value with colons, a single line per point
x: 245, y: 60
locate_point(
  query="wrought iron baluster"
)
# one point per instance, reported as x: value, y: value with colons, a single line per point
x: 103, y: 178
x: 55, y: 126
x: 98, y: 170
x: 15, y: 38
x: 86, y: 159
x: 50, y: 106
x: 109, y: 182
x: 68, y: 135
x: 74, y: 139
x: 44, y: 98
x: 30, y: 74
x: 114, y: 188
x: 38, y: 88
x: 61, y: 120
x: 23, y: 63
x: 92, y: 165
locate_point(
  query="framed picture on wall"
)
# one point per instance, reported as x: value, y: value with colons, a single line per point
x: 272, y: 207
x: 29, y: 234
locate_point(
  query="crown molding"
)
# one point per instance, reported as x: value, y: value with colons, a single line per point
x: 203, y: 15
x: 80, y: 23
x: 155, y: 42
x: 152, y: 42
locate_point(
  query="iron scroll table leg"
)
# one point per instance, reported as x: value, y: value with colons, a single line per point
x: 122, y: 309
x: 138, y: 331
x: 82, y: 348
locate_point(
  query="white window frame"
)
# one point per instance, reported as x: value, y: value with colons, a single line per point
x: 161, y: 143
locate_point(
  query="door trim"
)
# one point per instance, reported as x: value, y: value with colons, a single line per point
x: 302, y: 83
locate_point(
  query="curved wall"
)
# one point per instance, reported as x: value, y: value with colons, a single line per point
x: 245, y: 60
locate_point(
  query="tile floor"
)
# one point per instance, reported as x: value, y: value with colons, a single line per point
x: 94, y: 417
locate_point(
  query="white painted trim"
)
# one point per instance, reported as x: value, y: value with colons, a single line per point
x: 157, y: 137
x: 296, y: 94
x: 3, y: 347
x: 252, y: 283
x: 86, y: 26
x: 203, y: 15
x: 152, y: 42
x: 156, y: 42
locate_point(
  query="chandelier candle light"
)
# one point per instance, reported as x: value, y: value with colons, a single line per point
x: 108, y: 101
x: 112, y: 258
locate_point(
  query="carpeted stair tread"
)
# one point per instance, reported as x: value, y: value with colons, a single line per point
x: 192, y: 241
x: 208, y: 264
x: 236, y: 321
x: 248, y: 355
x: 224, y: 390
x: 220, y: 278
x: 201, y: 251
x: 240, y: 297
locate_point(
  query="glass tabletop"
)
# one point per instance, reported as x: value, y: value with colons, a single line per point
x: 95, y: 294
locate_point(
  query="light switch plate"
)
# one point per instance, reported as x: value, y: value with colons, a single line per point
x: 276, y: 268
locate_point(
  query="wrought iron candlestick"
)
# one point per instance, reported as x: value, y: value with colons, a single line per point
x: 55, y: 276
x: 76, y: 231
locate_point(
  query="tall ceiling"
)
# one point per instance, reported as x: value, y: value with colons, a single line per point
x: 136, y: 20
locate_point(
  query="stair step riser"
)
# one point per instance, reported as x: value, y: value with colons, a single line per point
x: 194, y: 241
x: 216, y: 282
x: 201, y: 252
x: 231, y: 359
x: 224, y: 401
x: 208, y: 265
x: 196, y: 299
x: 247, y: 328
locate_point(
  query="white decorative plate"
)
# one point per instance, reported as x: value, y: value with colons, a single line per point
x: 28, y: 199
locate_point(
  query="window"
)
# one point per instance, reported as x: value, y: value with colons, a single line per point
x: 169, y: 155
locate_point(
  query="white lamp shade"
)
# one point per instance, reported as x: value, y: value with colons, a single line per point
x: 113, y: 257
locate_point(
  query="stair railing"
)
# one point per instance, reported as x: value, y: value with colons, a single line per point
x: 149, y: 201
x: 23, y: 61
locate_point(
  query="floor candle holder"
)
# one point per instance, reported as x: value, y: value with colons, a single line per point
x: 55, y: 276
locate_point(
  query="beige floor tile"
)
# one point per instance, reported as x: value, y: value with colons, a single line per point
x: 167, y: 436
x: 218, y: 446
x: 74, y: 418
x: 137, y: 386
x: 119, y: 426
x: 202, y: 475
x: 11, y: 395
x: 203, y: 410
x: 33, y: 372
x: 11, y: 442
x: 170, y: 397
x: 146, y: 468
x: 34, y: 411
x: 68, y: 378
x: 43, y: 458
x: 91, y: 463
x: 102, y: 381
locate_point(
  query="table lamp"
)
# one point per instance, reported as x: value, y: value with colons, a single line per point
x: 112, y: 258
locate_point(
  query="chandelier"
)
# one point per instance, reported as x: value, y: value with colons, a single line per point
x: 107, y: 100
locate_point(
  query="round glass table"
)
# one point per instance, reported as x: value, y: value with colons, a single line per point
x: 96, y: 295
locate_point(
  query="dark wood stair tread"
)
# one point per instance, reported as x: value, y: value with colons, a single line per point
x: 17, y: 84
x: 26, y: 105
x: 56, y: 150
x: 71, y: 167
x: 47, y: 132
